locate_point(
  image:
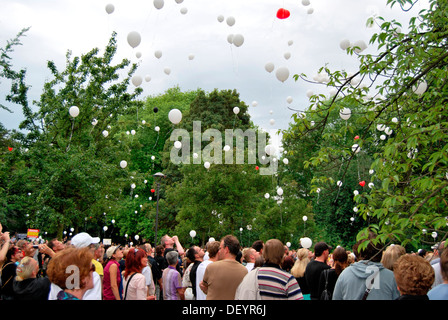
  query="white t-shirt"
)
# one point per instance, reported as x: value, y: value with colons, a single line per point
x: 200, y: 295
x: 92, y: 294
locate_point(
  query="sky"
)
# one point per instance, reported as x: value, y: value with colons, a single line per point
x: 195, y: 47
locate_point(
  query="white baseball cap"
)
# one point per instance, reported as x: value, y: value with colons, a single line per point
x: 83, y: 239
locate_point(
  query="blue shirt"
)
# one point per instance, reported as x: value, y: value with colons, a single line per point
x: 439, y: 292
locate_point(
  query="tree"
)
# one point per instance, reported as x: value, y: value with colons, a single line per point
x: 401, y: 94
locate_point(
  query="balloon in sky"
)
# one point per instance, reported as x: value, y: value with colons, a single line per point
x: 159, y: 4
x: 269, y: 67
x: 236, y: 110
x: 283, y: 13
x: 74, y: 111
x: 282, y: 74
x: 230, y: 21
x: 137, y: 81
x: 183, y: 10
x: 361, y: 46
x: 220, y: 18
x: 190, y: 56
x: 175, y: 116
x: 167, y: 71
x: 344, y: 44
x: 134, y: 39
x: 287, y: 55
x: 230, y: 38
x: 110, y: 8
x: 238, y: 40
x: 306, y: 2
x: 158, y: 54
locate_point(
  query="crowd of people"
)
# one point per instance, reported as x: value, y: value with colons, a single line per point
x: 85, y: 269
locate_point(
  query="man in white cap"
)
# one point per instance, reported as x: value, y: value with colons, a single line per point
x: 82, y: 240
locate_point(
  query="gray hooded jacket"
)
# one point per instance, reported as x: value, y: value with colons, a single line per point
x: 352, y: 282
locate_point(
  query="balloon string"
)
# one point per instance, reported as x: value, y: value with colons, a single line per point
x: 71, y: 134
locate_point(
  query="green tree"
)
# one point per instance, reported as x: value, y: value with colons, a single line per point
x: 401, y: 91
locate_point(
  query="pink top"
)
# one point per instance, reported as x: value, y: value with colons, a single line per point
x: 107, y: 289
x: 137, y: 289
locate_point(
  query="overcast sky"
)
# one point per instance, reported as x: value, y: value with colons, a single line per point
x: 191, y: 27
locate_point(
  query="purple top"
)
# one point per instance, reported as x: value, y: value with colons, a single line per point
x: 171, y: 282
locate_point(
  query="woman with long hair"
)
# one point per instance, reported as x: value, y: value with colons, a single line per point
x: 112, y: 275
x: 329, y: 277
x: 298, y: 271
x: 134, y: 282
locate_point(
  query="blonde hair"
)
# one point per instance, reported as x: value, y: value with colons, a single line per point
x: 25, y: 268
x: 391, y: 254
x: 298, y: 270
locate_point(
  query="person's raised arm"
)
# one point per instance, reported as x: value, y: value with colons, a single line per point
x: 179, y: 247
x: 5, y: 246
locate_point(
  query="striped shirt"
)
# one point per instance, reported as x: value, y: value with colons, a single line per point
x: 171, y: 282
x: 277, y: 284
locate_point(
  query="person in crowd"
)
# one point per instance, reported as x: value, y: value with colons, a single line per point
x: 391, y: 255
x: 155, y: 270
x: 98, y: 256
x: 71, y: 270
x: 273, y: 282
x: 198, y: 259
x: 298, y: 271
x: 212, y: 249
x: 6, y: 242
x: 221, y: 278
x: 258, y: 246
x: 134, y: 282
x: 172, y: 280
x: 147, y: 271
x: 187, y: 265
x: 249, y: 256
x: 435, y: 263
x: 79, y: 241
x: 329, y: 277
x: 414, y: 277
x: 170, y: 244
x: 288, y: 263
x: 315, y: 267
x: 54, y: 246
x: 112, y: 276
x: 368, y: 278
x: 440, y: 292
x: 26, y: 284
x: 8, y: 272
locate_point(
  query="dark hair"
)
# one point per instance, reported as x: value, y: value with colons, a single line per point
x: 11, y: 251
x: 258, y: 245
x: 190, y: 254
x: 287, y: 263
x: 159, y: 250
x: 340, y: 258
x: 232, y: 243
x: 372, y: 252
x: 444, y: 264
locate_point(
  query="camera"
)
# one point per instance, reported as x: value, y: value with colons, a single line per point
x: 35, y: 246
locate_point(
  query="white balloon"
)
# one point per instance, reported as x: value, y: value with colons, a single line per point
x: 280, y: 191
x: 184, y: 10
x: 236, y: 110
x: 254, y: 103
x: 192, y: 233
x: 267, y: 195
x: 138, y: 55
x: 177, y: 144
x: 105, y: 133
x: 282, y: 74
x: 158, y: 54
x: 344, y: 44
x: 306, y: 242
x: 339, y: 183
x: 134, y: 39
x: 137, y: 237
x: 167, y: 71
x: 157, y: 128
x: 361, y: 46
x: 137, y: 80
x: 94, y: 122
x: 272, y: 122
x: 238, y: 40
x: 175, y: 116
x: 290, y: 42
x: 306, y: 2
x: 191, y: 57
x: 74, y: 111
x: 285, y: 161
x: 230, y: 21
x: 207, y: 165
x: 110, y: 8
x: 226, y: 147
x: 269, y: 67
x: 133, y: 132
x: 304, y: 218
x: 345, y: 113
x: 289, y: 99
x: 147, y: 78
x: 310, y: 10
x: 220, y: 18
x: 105, y: 228
x: 420, y: 88
x: 179, y: 1
x: 356, y: 148
x: 287, y: 55
x: 230, y: 38
x: 288, y: 244
x: 270, y: 149
x: 159, y: 4
x: 309, y: 93
x: 123, y: 164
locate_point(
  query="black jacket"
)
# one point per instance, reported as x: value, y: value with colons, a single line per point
x: 32, y: 289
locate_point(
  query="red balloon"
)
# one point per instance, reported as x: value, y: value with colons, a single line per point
x: 256, y: 168
x: 283, y: 13
x: 362, y: 183
x: 153, y: 190
x: 10, y: 148
x: 356, y: 137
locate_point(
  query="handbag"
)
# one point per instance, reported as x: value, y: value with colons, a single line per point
x: 127, y: 284
x: 326, y: 295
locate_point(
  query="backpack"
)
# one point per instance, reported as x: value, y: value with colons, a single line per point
x: 326, y: 295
